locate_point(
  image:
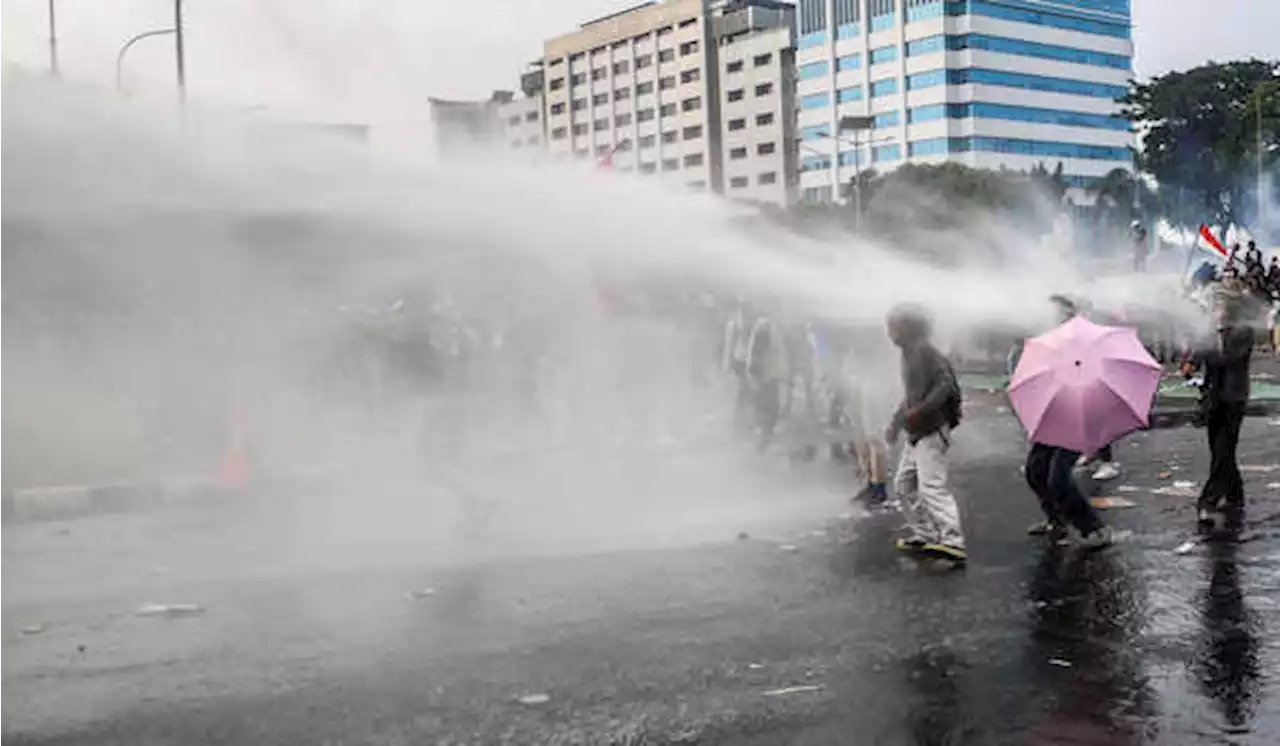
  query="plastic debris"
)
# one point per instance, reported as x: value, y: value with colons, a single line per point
x: 786, y: 690
x: 1174, y: 492
x: 1259, y: 468
x: 1110, y: 503
x: 1165, y: 474
x: 169, y: 610
x: 534, y: 699
x: 1060, y: 662
x: 787, y: 547
x: 34, y: 629
x: 755, y: 666
x: 1273, y: 485
x: 1184, y: 484
x: 1185, y: 547
x: 1127, y: 488
x: 420, y: 594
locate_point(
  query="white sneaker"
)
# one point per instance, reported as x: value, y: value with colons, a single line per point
x: 1106, y: 470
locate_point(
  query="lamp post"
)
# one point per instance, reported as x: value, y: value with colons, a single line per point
x: 854, y: 124
x: 53, y: 41
x: 128, y: 44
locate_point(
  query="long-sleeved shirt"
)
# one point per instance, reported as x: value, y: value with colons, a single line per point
x: 928, y: 384
x: 1226, y: 364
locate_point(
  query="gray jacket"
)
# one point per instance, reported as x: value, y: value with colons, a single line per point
x: 930, y: 386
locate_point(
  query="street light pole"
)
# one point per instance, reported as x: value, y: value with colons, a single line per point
x: 180, y: 52
x: 53, y: 41
x: 127, y: 45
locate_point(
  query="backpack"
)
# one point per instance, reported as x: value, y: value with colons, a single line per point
x: 951, y: 410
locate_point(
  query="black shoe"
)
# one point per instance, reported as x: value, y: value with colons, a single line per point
x: 910, y: 544
x: 1052, y: 529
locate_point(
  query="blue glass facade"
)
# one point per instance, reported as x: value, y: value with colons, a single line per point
x: 849, y: 62
x: 1017, y: 146
x: 1057, y: 17
x: 1003, y: 45
x: 1007, y: 112
x: 813, y: 70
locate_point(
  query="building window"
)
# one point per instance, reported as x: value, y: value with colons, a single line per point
x: 815, y: 100
x: 813, y: 70
x: 686, y: 23
x: 808, y: 41
x: 765, y: 119
x: 689, y: 76
x: 764, y: 89
x: 884, y: 87
x: 766, y: 148
x: 920, y: 10
x: 648, y: 168
x: 692, y: 133
x: 849, y: 62
x: 815, y: 163
x: 737, y: 124
x: 621, y: 94
x: 667, y: 110
x: 886, y: 153
x: 666, y: 55
x: 767, y: 178
x: 691, y: 104
x: 935, y: 146
x: 692, y: 160
x: 883, y: 54
x: 559, y: 133
x: 580, y: 129
x: 532, y: 139
x: 811, y: 16
x: 671, y: 164
x: 577, y: 79
x: 647, y: 141
x: 643, y: 61
x: 737, y: 154
x: 620, y: 68
x: 555, y: 62
x: 887, y: 119
x: 643, y: 88
x: 736, y: 94
x: 514, y: 121
x: 599, y: 73
x: 688, y: 48
x: 1034, y: 82
x: 815, y: 132
x: 624, y: 145
x: 734, y: 67
x: 556, y: 84
x: 699, y: 184
x: 600, y: 99
x: 926, y: 79
x: 644, y: 115
x: 622, y: 120
x: 620, y: 44
x: 581, y: 152
x: 760, y: 60
x: 604, y: 149
x: 575, y: 57
x: 1003, y: 45
x: 666, y: 82
x: 666, y: 30
x: 670, y: 137
x: 928, y: 45
x: 738, y: 182
x: 1004, y: 13
x: 852, y: 93
x: 579, y: 104
x: 531, y: 116
x: 557, y: 109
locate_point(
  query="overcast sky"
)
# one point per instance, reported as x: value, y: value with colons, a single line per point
x: 378, y: 60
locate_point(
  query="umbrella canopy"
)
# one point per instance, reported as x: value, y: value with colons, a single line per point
x: 1083, y: 385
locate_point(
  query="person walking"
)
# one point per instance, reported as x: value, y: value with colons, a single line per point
x: 767, y: 369
x: 733, y: 360
x: 929, y: 411
x: 1049, y: 474
x: 1224, y: 398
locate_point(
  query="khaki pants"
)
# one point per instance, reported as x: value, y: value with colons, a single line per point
x: 873, y: 458
x: 921, y: 486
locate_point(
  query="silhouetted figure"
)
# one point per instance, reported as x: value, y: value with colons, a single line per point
x: 1227, y: 657
x: 1224, y: 398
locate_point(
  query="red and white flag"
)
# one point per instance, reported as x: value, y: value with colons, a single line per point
x: 1213, y: 242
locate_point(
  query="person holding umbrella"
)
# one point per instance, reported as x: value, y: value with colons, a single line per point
x: 1076, y: 389
x: 1224, y: 398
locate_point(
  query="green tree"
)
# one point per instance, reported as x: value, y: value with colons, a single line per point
x: 1201, y: 137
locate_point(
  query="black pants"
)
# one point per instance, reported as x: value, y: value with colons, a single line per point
x: 1050, y: 477
x: 1225, y: 482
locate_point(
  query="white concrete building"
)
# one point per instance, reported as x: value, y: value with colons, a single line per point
x: 987, y: 83
x: 647, y: 88
x: 523, y: 118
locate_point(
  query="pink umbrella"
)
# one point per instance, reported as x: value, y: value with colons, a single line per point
x: 1083, y: 385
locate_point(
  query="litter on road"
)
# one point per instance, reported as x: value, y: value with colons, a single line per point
x: 1184, y: 484
x: 1060, y: 662
x: 1260, y: 468
x: 1111, y: 503
x: 1186, y: 547
x: 786, y: 690
x: 535, y: 699
x: 169, y: 610
x: 1174, y: 491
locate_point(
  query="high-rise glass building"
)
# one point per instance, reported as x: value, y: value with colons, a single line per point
x: 987, y: 83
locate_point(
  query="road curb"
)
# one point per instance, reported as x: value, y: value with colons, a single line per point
x: 73, y: 501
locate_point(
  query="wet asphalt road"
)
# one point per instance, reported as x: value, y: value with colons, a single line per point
x: 804, y: 634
